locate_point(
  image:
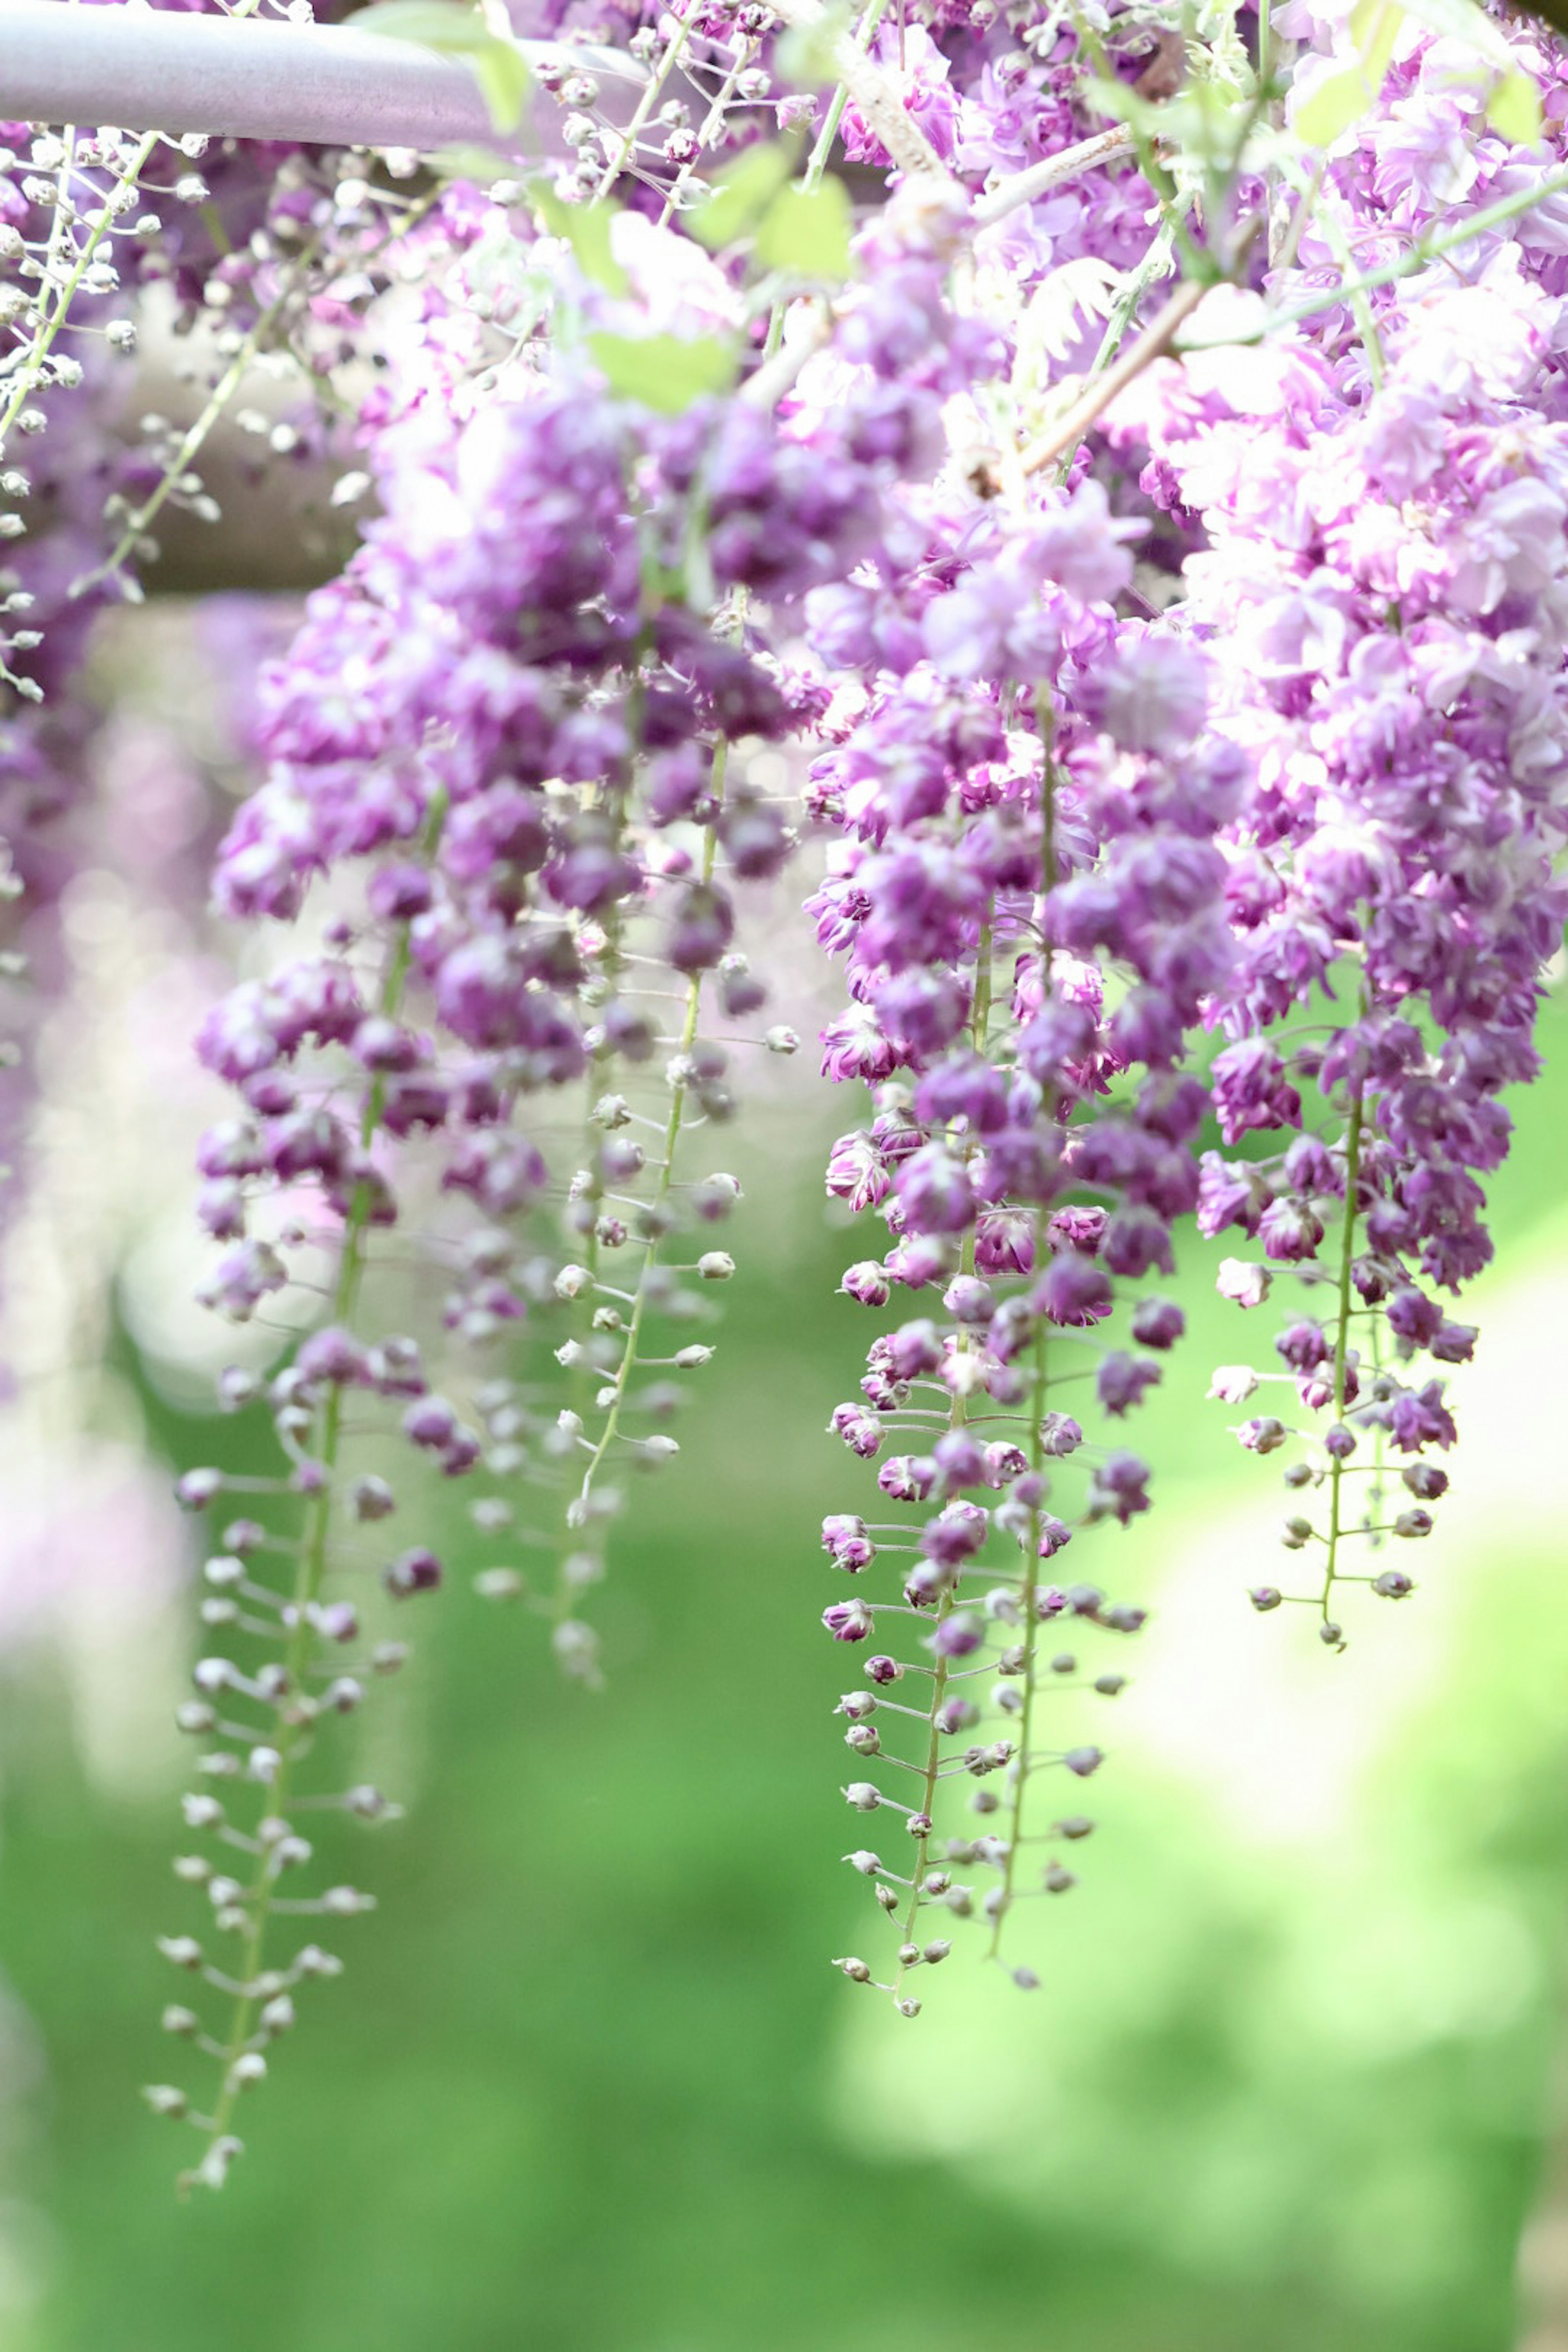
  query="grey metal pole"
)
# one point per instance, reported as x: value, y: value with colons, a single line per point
x: 253, y: 77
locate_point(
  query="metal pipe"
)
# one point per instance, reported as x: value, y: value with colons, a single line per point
x: 254, y: 77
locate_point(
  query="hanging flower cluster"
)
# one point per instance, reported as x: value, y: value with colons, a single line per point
x: 1029, y: 815
x: 1382, y: 510
x: 1144, y: 518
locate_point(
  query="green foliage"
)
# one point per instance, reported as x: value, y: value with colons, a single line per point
x: 806, y: 232
x: 1513, y: 108
x: 1345, y: 97
x: 477, y: 165
x: 663, y: 372
x: 587, y: 228
x: 741, y: 194
x: 806, y: 55
x: 455, y: 31
x: 589, y: 2085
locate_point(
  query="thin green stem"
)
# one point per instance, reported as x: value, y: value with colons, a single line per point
x: 1045, y: 716
x: 691, y: 1019
x: 1027, y: 1603
x: 31, y: 364
x: 1429, y: 248
x: 310, y: 1570
x: 980, y: 1015
x: 817, y: 162
x: 196, y: 435
x: 712, y: 123
x: 644, y: 109
x: 1342, y: 1338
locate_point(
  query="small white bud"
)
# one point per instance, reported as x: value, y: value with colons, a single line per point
x: 345, y: 1902
x: 498, y: 1584
x: 311, y: 1961
x: 715, y: 1265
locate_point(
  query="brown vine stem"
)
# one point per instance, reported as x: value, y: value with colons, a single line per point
x: 1153, y: 343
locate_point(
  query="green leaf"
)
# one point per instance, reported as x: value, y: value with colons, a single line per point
x: 1345, y: 97
x: 806, y: 55
x: 661, y: 370
x: 481, y: 165
x: 452, y: 30
x: 741, y: 193
x: 587, y: 228
x: 1514, y: 110
x: 1332, y: 106
x: 1463, y: 20
x: 503, y: 82
x: 806, y: 232
x: 1195, y: 123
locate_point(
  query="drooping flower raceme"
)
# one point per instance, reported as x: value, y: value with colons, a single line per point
x: 1186, y: 733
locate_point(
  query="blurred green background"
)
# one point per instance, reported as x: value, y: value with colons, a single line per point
x: 589, y: 2083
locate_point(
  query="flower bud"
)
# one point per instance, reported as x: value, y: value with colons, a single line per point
x: 498, y: 1584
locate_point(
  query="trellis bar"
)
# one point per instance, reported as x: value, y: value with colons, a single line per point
x: 253, y: 78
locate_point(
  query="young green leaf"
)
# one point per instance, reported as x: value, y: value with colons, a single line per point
x: 741, y: 194
x: 1335, y: 104
x: 662, y: 371
x: 1513, y: 110
x: 453, y: 30
x: 586, y: 229
x: 806, y: 232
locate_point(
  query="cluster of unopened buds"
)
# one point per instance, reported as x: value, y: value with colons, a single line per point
x: 1173, y: 674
